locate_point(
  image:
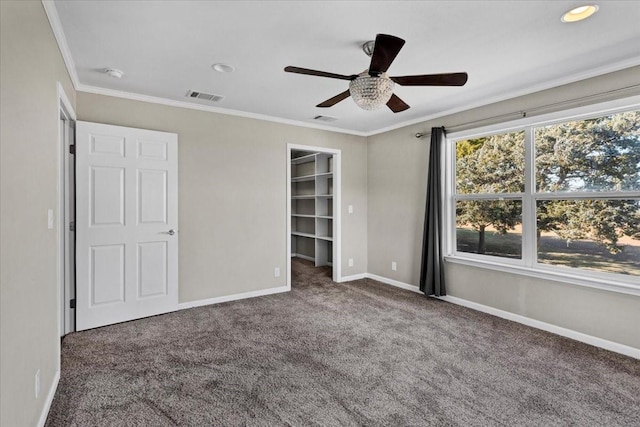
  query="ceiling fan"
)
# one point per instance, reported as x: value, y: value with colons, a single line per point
x: 373, y: 87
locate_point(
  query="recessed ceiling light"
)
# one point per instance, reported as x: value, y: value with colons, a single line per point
x: 114, y: 72
x: 223, y: 68
x: 579, y: 13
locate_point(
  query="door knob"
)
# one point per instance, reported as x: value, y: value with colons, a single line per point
x: 171, y: 232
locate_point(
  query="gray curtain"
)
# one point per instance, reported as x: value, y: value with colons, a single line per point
x: 432, y: 271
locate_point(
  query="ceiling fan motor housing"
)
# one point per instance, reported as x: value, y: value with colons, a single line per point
x: 368, y: 47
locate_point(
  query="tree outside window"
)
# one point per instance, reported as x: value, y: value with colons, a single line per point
x: 585, y: 201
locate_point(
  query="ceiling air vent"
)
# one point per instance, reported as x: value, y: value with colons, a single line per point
x: 204, y: 96
x: 325, y: 118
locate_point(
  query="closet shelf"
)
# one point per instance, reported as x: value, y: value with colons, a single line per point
x: 302, y: 215
x: 298, y: 233
x: 311, y: 177
x: 311, y: 196
x: 311, y: 236
x: 303, y: 178
x: 304, y: 159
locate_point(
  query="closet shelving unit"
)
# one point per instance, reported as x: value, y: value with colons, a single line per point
x: 312, y: 206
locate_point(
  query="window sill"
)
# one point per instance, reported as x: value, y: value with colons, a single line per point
x: 549, y: 274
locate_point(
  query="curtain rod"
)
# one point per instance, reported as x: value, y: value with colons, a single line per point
x: 523, y: 113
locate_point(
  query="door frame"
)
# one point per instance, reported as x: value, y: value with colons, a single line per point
x: 337, y: 208
x: 64, y: 111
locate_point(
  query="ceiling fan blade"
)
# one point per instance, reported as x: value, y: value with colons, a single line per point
x: 333, y: 101
x: 396, y: 104
x: 299, y: 70
x: 449, y: 79
x: 385, y: 51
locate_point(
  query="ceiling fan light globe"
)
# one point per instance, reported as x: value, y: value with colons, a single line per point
x: 371, y: 92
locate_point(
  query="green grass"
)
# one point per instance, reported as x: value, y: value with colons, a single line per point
x: 582, y: 254
x: 503, y: 245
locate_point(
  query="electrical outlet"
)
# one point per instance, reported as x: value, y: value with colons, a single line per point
x: 276, y: 272
x: 50, y: 219
x: 350, y: 262
x: 350, y: 208
x: 394, y: 265
x: 37, y: 383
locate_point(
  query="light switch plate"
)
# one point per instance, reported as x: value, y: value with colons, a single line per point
x: 50, y: 219
x: 37, y: 383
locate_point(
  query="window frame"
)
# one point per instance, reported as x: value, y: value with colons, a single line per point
x: 528, y: 265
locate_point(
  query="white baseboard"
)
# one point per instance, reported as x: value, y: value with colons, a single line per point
x: 49, y: 401
x: 558, y: 330
x: 353, y: 277
x: 235, y: 297
x: 395, y: 283
x: 308, y: 258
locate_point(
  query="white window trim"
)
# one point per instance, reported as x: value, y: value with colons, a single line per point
x: 528, y: 265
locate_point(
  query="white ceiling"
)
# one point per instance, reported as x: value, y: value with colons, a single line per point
x: 508, y: 48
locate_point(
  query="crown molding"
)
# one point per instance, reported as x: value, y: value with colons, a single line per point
x: 609, y: 68
x: 58, y: 32
x: 182, y: 104
x: 56, y: 26
x: 572, y: 78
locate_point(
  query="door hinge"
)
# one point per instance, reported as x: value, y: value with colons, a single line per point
x: 72, y: 226
x: 72, y: 303
x: 72, y: 149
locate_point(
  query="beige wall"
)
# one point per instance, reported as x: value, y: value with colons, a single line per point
x: 396, y: 195
x: 30, y: 66
x: 232, y: 192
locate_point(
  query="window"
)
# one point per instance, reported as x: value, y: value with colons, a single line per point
x: 558, y: 197
x: 489, y: 187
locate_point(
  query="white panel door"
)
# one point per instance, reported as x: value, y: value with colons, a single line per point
x: 126, y: 224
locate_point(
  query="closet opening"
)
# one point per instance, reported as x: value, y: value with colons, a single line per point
x: 313, y: 207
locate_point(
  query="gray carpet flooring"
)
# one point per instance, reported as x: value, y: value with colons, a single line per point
x: 327, y: 354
